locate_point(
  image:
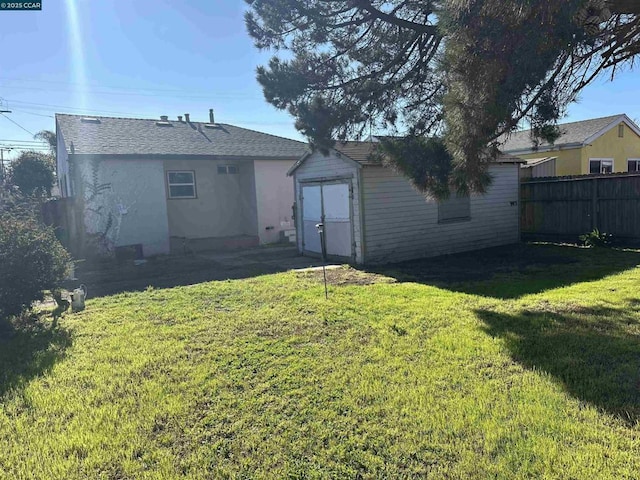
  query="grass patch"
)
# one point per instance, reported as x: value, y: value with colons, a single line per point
x: 529, y: 370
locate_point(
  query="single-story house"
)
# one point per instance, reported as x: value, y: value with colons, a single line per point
x: 595, y: 146
x: 372, y: 214
x: 165, y: 185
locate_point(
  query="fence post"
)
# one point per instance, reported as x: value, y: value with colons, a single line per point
x: 594, y: 204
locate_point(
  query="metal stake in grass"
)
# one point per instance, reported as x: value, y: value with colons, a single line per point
x: 323, y: 246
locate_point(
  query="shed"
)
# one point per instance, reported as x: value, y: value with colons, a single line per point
x: 372, y: 214
x: 539, y: 167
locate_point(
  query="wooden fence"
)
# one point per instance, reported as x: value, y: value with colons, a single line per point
x: 563, y: 208
x: 62, y: 215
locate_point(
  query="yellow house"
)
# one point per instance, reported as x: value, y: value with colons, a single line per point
x: 600, y: 145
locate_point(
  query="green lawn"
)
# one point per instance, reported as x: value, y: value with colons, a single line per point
x: 515, y: 363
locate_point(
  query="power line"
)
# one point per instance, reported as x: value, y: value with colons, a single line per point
x: 79, y: 110
x: 52, y: 108
x: 134, y: 93
x: 22, y: 141
x: 33, y: 113
x: 124, y: 89
x: 17, y: 124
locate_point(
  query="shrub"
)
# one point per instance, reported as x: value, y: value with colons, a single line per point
x: 596, y: 239
x: 31, y: 259
x: 33, y: 173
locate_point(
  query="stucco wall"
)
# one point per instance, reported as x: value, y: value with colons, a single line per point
x: 610, y: 145
x: 225, y: 205
x: 62, y: 166
x: 124, y: 204
x: 575, y: 161
x: 274, y: 194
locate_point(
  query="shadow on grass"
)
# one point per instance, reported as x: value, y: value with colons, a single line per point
x: 594, y: 352
x: 108, y: 277
x: 29, y: 347
x: 515, y: 270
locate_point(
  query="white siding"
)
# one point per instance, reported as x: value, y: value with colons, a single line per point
x: 318, y: 166
x: 400, y: 224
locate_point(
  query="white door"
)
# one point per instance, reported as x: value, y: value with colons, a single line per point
x: 311, y: 216
x: 329, y: 204
x: 337, y: 219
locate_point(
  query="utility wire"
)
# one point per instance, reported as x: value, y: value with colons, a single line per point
x: 52, y: 108
x: 17, y: 124
x: 150, y: 90
x: 33, y: 113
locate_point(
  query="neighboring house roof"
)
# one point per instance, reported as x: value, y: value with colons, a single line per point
x: 572, y: 135
x: 363, y: 154
x: 133, y: 136
x: 534, y: 162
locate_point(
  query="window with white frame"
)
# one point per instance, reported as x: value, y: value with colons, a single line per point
x: 182, y: 184
x: 228, y: 169
x: 601, y: 165
x: 456, y: 208
x: 633, y: 165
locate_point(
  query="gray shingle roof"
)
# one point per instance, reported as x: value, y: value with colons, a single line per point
x: 132, y: 136
x: 364, y: 153
x: 361, y: 152
x: 570, y: 133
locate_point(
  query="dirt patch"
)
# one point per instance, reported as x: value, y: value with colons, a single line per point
x: 347, y: 276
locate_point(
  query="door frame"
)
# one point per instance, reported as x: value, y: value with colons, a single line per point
x: 347, y: 180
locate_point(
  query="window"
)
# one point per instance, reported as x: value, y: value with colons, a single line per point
x: 227, y: 169
x: 633, y: 165
x: 601, y: 165
x: 621, y: 130
x: 182, y: 184
x: 454, y: 209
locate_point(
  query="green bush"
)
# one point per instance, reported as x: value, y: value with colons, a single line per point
x: 31, y: 259
x: 33, y: 173
x: 596, y: 239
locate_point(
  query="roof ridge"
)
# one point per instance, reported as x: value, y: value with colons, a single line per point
x: 256, y: 131
x: 178, y: 122
x: 577, y: 121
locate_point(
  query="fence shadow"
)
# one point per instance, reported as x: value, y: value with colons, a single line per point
x: 593, y: 352
x: 513, y: 271
x: 29, y: 348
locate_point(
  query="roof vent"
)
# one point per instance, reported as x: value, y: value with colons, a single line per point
x: 164, y: 121
x: 90, y: 120
x: 212, y: 122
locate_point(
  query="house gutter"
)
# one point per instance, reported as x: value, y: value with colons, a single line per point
x: 527, y: 151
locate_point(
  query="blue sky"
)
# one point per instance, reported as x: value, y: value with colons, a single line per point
x: 148, y: 58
